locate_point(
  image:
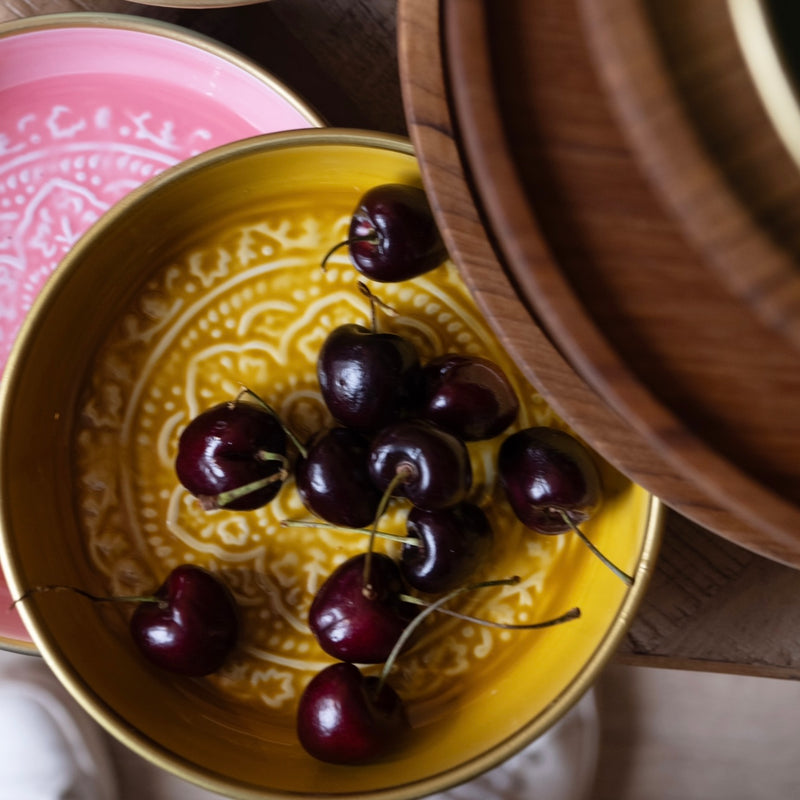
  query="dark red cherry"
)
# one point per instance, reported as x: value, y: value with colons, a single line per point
x: 344, y: 717
x: 455, y: 541
x: 393, y: 235
x: 468, y: 396
x: 193, y: 626
x: 232, y: 455
x: 359, y: 622
x: 435, y: 464
x: 333, y: 479
x: 553, y: 484
x: 367, y: 379
x: 546, y: 471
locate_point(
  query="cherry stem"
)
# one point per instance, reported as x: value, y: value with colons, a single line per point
x: 148, y: 598
x: 373, y: 237
x: 573, y: 613
x: 628, y: 579
x: 270, y: 410
x: 211, y: 501
x: 403, y: 473
x: 266, y: 455
x: 392, y: 537
x: 374, y: 303
x: 437, y: 606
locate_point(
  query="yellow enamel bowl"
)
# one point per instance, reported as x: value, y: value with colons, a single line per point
x: 203, y: 280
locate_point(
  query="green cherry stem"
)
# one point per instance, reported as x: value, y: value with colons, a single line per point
x: 135, y: 598
x: 301, y: 448
x: 573, y: 613
x: 368, y: 238
x: 437, y: 605
x: 374, y: 304
x: 209, y: 502
x: 628, y: 579
x: 266, y: 455
x: 311, y: 523
x: 403, y: 473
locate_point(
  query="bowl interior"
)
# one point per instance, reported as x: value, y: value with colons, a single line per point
x: 205, y: 279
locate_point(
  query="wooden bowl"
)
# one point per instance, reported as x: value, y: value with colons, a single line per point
x: 588, y: 246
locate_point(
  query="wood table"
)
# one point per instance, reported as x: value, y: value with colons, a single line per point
x: 711, y: 605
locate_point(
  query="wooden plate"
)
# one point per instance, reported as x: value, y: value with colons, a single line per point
x: 458, y: 207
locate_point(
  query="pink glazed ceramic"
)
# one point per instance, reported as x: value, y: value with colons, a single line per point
x: 91, y: 106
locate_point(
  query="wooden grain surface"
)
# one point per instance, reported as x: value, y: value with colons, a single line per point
x: 721, y: 167
x: 609, y: 274
x: 451, y: 175
x: 711, y: 603
x: 696, y: 571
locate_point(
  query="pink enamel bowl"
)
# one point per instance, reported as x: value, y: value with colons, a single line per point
x: 92, y: 106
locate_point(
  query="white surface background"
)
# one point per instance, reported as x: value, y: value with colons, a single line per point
x: 664, y: 735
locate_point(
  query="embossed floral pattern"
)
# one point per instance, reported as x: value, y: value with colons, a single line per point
x: 252, y: 307
x: 72, y: 147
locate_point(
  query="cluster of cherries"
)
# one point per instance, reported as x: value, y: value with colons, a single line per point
x: 401, y: 431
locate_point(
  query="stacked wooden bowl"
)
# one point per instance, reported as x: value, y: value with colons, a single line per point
x: 617, y: 181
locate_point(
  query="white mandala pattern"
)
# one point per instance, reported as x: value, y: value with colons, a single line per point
x: 62, y: 165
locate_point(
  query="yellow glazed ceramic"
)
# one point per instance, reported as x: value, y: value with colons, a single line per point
x: 206, y: 279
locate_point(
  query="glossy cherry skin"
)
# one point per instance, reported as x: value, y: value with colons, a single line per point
x: 545, y: 471
x: 355, y: 625
x: 469, y: 396
x: 194, y: 627
x: 224, y: 448
x: 455, y: 541
x: 438, y: 465
x: 342, y: 718
x: 367, y: 379
x: 333, y: 479
x: 393, y: 235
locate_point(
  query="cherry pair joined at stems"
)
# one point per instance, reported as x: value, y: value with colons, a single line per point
x: 347, y: 717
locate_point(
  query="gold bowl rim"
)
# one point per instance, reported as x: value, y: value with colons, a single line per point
x: 140, y: 743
